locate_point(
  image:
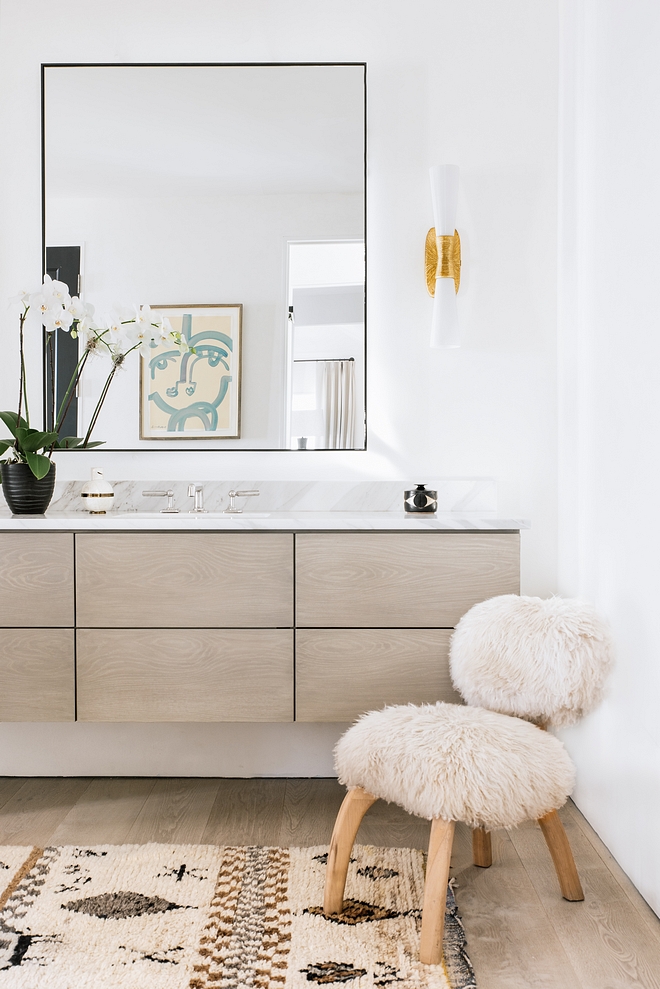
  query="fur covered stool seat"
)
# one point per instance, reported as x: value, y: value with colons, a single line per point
x: 446, y: 763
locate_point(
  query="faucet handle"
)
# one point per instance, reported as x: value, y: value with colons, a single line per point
x: 248, y: 493
x: 171, y: 510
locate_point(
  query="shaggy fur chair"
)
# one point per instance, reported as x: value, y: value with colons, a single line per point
x: 521, y: 660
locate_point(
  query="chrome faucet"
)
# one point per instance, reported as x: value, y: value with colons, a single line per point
x: 233, y: 495
x: 196, y: 491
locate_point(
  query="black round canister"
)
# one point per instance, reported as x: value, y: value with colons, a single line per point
x: 420, y: 499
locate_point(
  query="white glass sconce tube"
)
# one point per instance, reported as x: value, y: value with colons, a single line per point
x: 444, y: 192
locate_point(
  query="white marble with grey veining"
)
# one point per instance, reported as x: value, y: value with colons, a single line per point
x: 464, y: 495
x: 273, y: 521
x: 464, y: 503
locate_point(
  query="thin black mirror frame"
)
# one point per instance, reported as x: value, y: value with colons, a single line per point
x: 75, y: 65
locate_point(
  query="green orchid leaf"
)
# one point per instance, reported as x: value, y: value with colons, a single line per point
x: 68, y: 442
x: 75, y: 443
x: 38, y: 465
x: 4, y: 446
x: 10, y: 421
x: 31, y: 440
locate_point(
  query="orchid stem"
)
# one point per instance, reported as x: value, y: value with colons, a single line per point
x: 68, y: 397
x: 52, y: 375
x: 22, y: 394
x: 103, y: 394
x: 99, y: 404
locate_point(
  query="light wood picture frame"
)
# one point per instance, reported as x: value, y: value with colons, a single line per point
x: 194, y: 395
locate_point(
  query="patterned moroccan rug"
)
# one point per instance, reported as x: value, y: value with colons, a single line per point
x: 201, y: 916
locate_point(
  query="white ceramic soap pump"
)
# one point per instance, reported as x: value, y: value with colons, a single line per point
x: 97, y: 494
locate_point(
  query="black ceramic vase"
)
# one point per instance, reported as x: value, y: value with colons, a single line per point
x: 24, y: 493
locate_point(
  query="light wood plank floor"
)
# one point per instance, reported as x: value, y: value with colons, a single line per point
x: 521, y: 933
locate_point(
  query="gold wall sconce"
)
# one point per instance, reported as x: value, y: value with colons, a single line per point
x: 443, y: 257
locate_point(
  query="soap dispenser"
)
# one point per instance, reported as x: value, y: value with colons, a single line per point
x: 97, y: 494
x: 420, y: 499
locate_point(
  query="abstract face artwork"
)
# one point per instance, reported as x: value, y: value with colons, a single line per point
x: 194, y: 395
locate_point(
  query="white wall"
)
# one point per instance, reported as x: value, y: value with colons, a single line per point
x: 610, y: 404
x: 473, y: 83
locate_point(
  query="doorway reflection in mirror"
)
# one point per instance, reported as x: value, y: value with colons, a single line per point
x: 326, y: 307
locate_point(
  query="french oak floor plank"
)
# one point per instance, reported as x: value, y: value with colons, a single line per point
x: 602, y: 936
x: 9, y: 785
x: 388, y: 824
x: 33, y: 812
x: 176, y: 810
x: 246, y: 812
x: 637, y: 900
x: 310, y: 808
x: 510, y: 942
x: 105, y: 813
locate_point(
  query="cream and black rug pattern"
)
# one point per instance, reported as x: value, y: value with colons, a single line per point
x: 207, y: 917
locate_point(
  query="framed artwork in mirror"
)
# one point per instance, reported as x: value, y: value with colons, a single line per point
x: 194, y: 394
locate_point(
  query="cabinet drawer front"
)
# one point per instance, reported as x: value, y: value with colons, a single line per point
x: 36, y: 579
x: 184, y: 580
x: 400, y: 580
x: 181, y: 675
x: 341, y: 673
x: 37, y: 678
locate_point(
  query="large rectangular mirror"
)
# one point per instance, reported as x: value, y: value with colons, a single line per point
x: 231, y: 197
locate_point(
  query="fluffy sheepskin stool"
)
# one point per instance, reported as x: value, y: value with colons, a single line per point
x: 525, y: 664
x: 446, y: 763
x: 542, y: 660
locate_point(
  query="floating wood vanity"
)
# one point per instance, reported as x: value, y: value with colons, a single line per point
x: 237, y: 623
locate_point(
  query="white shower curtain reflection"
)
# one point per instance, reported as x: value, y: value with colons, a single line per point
x: 339, y: 404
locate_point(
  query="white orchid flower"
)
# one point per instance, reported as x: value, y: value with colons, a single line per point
x: 79, y: 309
x: 164, y: 332
x: 87, y: 320
x: 113, y: 332
x: 54, y: 320
x: 124, y: 313
x: 83, y: 314
x: 141, y: 335
x: 56, y: 290
x: 45, y: 305
x: 22, y: 297
x: 143, y: 316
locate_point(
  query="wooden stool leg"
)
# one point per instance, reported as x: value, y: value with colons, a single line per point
x: 435, y: 891
x: 562, y: 856
x: 482, y: 848
x: 355, y: 805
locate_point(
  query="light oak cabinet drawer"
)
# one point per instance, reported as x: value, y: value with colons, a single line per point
x: 37, y: 678
x: 182, y: 675
x: 184, y: 580
x: 36, y: 579
x: 400, y: 580
x: 341, y: 673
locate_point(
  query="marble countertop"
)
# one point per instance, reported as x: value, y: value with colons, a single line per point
x: 260, y: 521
